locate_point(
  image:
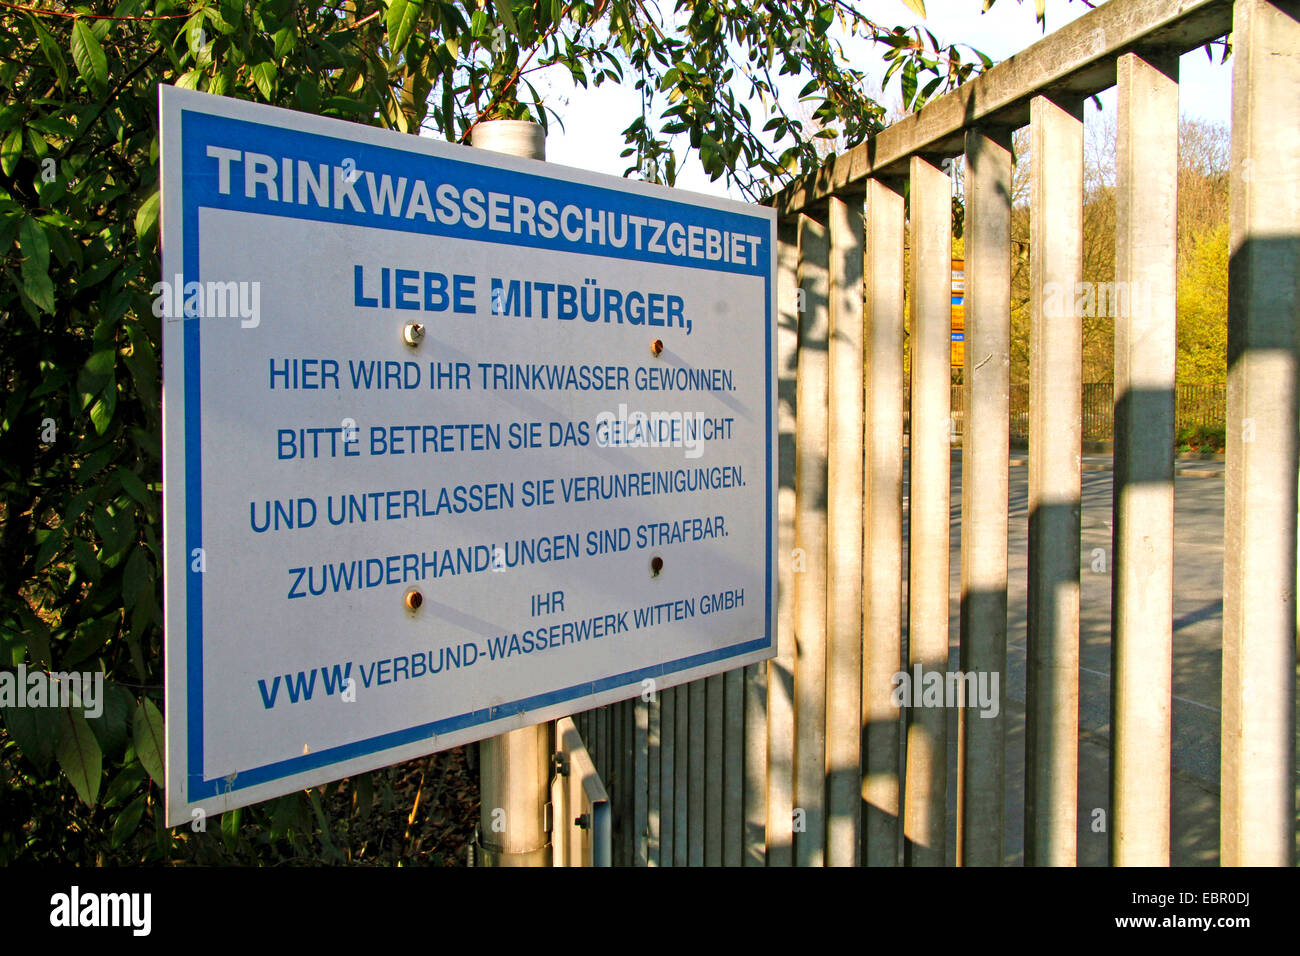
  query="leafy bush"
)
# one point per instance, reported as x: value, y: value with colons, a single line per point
x: 1205, y: 439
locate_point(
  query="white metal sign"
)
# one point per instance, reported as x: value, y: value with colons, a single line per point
x: 454, y: 442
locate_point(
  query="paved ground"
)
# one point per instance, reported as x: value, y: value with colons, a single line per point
x: 1198, y: 622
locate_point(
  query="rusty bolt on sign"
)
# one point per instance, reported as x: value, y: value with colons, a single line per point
x: 656, y: 347
x: 413, y: 600
x: 656, y: 565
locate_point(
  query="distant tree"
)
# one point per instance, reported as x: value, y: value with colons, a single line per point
x: 1202, y: 211
x: 1203, y: 308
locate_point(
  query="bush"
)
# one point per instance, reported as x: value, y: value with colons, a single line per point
x: 1202, y: 439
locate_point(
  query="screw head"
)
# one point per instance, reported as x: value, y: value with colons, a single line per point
x: 656, y: 347
x: 412, y: 333
x: 413, y: 600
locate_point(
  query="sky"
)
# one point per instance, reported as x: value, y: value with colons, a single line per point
x: 593, y: 120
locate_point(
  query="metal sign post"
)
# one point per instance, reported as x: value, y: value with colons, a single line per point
x: 514, y: 768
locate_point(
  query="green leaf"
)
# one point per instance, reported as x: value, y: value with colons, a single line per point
x: 79, y: 754
x: 308, y: 94
x: 110, y: 727
x: 37, y: 285
x: 287, y: 814
x: 89, y: 56
x: 345, y: 104
x: 117, y: 531
x: 135, y: 487
x: 128, y: 821
x: 124, y: 784
x: 146, y: 219
x: 327, y: 843
x: 38, y: 639
x: 219, y: 21
x: 136, y: 581
x: 91, y: 637
x: 909, y: 84
x: 36, y: 246
x: 64, y: 249
x: 53, y: 55
x: 52, y: 193
x: 230, y: 821
x: 400, y: 21
x: 365, y: 795
x: 101, y: 363
x: 263, y: 75
x: 87, y: 560
x: 52, y: 126
x: 11, y: 150
x: 101, y: 413
x: 195, y: 38
x: 40, y: 290
x: 507, y: 16
x: 35, y: 730
x: 148, y: 735
x: 53, y: 541
x: 233, y: 12
x: 285, y: 40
